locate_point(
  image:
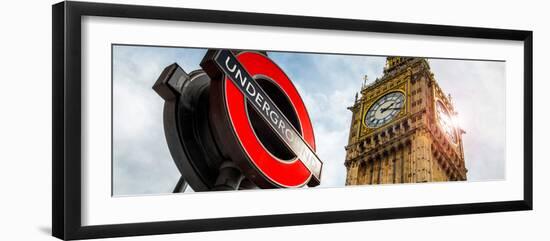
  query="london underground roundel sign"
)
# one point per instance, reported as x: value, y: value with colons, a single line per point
x: 258, y: 115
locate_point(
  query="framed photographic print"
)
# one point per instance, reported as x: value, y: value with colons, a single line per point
x: 169, y: 120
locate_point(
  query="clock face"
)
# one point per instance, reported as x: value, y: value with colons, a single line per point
x: 445, y: 121
x: 384, y: 109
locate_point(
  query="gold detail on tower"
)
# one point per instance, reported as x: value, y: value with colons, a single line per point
x: 410, y: 146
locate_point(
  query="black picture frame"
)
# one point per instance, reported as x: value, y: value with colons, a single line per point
x: 66, y: 148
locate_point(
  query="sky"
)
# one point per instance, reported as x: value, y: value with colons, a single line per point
x: 142, y: 163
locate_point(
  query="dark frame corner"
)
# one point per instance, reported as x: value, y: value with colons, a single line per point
x: 66, y: 127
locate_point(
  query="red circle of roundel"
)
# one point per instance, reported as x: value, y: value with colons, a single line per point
x: 285, y: 174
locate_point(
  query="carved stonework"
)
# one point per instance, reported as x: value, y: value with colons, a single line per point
x: 406, y: 142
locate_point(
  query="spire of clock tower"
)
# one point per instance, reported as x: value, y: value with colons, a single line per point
x: 393, y: 62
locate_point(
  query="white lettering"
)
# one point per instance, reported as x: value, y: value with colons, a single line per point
x: 289, y: 135
x: 265, y: 108
x: 227, y: 65
x: 281, y: 125
x: 250, y: 89
x: 239, y: 76
x: 274, y: 119
x: 259, y: 99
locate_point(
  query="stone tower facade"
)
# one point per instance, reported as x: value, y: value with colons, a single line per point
x: 403, y: 129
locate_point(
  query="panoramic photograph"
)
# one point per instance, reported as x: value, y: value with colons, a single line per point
x: 193, y: 119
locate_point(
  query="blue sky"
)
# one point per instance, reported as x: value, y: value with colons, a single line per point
x: 142, y: 163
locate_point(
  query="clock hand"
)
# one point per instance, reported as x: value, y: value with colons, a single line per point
x: 384, y: 109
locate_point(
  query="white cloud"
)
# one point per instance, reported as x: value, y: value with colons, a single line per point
x: 327, y: 84
x: 478, y: 89
x: 142, y: 163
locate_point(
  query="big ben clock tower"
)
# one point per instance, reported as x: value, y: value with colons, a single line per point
x: 402, y: 129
